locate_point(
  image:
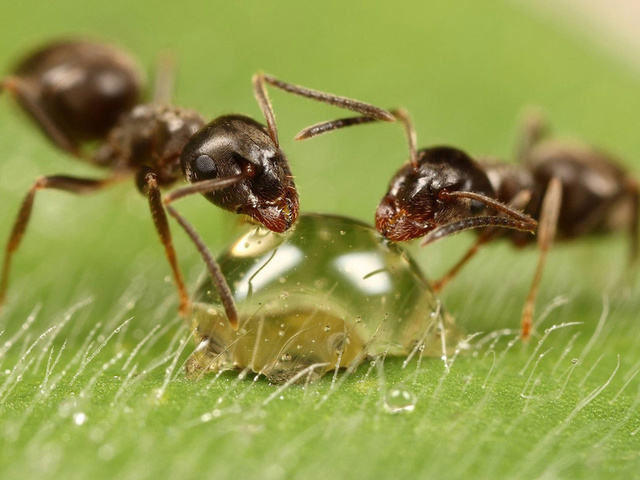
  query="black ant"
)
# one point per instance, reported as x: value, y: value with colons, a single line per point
x: 80, y: 91
x: 573, y: 189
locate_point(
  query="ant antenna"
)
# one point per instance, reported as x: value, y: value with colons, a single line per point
x: 365, y: 109
x: 403, y: 115
x: 514, y: 219
x: 399, y: 114
x: 260, y: 92
x: 489, y: 202
x: 478, y: 222
x: 369, y: 112
x: 325, y: 127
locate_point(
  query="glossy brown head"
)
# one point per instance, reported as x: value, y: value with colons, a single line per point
x: 418, y: 199
x: 237, y: 145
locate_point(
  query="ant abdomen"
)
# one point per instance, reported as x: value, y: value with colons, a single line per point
x: 235, y: 145
x: 83, y: 87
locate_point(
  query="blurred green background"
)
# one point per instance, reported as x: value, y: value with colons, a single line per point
x: 465, y: 70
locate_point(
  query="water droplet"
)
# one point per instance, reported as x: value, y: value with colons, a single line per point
x: 300, y: 284
x: 106, y: 452
x: 574, y: 361
x: 399, y: 399
x: 79, y: 418
x: 206, y: 417
x: 286, y: 357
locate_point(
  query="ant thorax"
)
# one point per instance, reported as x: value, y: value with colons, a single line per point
x: 507, y: 180
x: 150, y: 135
x: 327, y: 294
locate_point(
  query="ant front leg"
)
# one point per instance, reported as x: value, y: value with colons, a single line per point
x: 149, y: 180
x: 56, y: 182
x: 30, y: 101
x: 546, y: 233
x: 212, y: 266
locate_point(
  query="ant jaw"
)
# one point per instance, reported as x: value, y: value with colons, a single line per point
x: 398, y: 226
x: 277, y: 216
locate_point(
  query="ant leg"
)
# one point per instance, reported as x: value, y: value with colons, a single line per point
x: 55, y: 182
x: 150, y: 179
x: 215, y: 273
x: 203, y: 187
x: 546, y: 233
x: 486, y: 236
x: 518, y: 202
x: 214, y: 269
x: 634, y: 193
x: 165, y: 79
x: 533, y: 128
x: 29, y: 100
x: 259, y: 89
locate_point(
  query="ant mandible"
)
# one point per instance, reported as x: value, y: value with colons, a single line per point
x: 572, y: 190
x: 81, y: 91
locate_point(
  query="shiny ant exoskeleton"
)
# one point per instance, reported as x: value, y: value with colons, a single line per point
x: 79, y: 92
x: 571, y: 190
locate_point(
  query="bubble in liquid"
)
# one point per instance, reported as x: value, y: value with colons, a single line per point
x: 399, y: 399
x: 324, y: 300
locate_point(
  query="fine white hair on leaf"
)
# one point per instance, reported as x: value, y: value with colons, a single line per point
x: 86, y: 361
x: 138, y: 346
x: 592, y: 341
x: 543, y: 339
x: 589, y: 398
x: 301, y: 374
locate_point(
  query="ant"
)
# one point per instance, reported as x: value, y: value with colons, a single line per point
x: 571, y: 190
x: 79, y: 92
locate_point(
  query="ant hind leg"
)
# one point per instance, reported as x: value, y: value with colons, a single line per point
x: 634, y: 226
x: 532, y: 129
x: 55, y: 182
x: 546, y: 233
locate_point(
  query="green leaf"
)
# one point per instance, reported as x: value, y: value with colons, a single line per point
x: 93, y: 386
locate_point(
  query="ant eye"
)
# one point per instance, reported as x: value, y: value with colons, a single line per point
x: 205, y: 168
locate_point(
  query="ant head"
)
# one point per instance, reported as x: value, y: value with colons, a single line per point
x: 237, y: 145
x: 418, y: 202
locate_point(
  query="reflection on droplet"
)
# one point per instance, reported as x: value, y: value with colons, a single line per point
x: 399, y: 399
